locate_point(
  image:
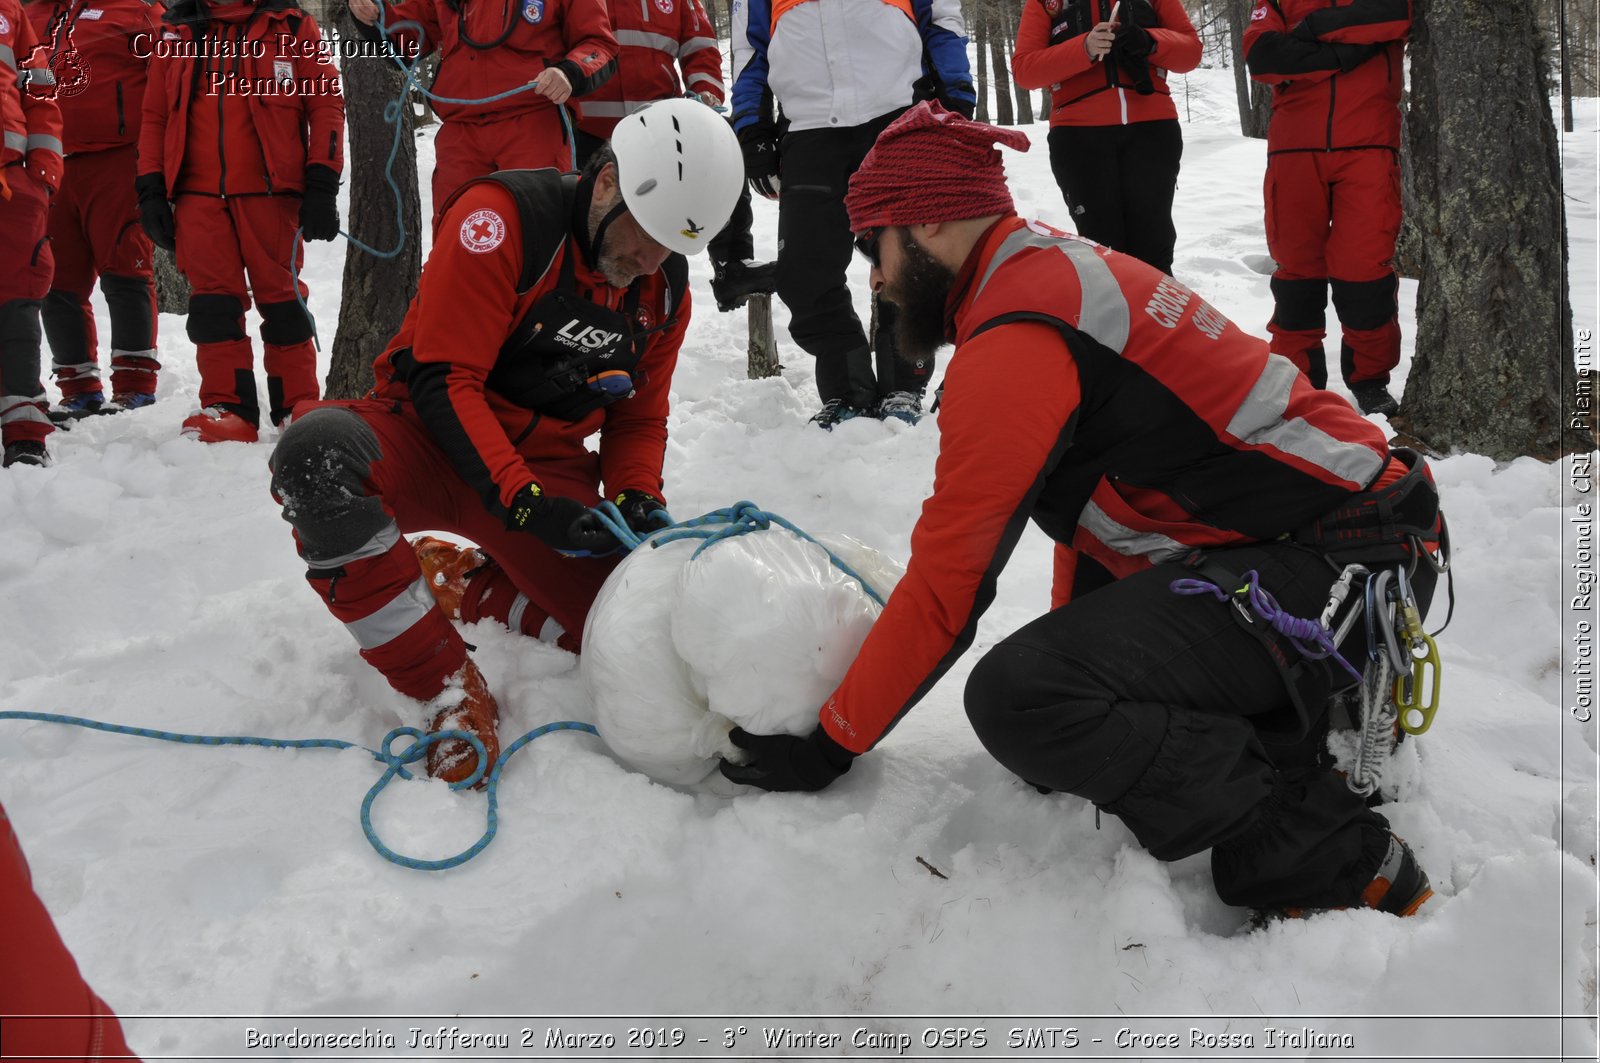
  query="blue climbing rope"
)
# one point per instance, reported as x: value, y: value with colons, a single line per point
x: 1311, y: 639
x: 741, y: 518
x: 396, y: 762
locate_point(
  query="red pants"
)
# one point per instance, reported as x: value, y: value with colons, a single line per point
x: 39, y: 977
x: 221, y: 243
x: 25, y: 267
x: 528, y: 140
x: 1332, y: 219
x: 95, y: 232
x: 353, y: 477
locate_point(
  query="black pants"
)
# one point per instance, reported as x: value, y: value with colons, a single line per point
x: 814, y: 248
x: 1119, y: 181
x: 1163, y: 710
x: 733, y: 244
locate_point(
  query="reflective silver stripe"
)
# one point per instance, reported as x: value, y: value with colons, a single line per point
x: 47, y: 142
x: 395, y: 618
x: 79, y: 371
x: 117, y: 355
x: 696, y: 44
x: 518, y: 608
x: 16, y: 408
x: 640, y: 39
x: 7, y: 56
x: 35, y: 75
x: 16, y: 141
x: 376, y: 546
x: 607, y: 109
x: 551, y: 631
x: 1125, y: 540
x: 1260, y: 421
x: 695, y: 79
x: 1105, y: 316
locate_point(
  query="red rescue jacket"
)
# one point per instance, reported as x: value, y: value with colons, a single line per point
x: 100, y: 53
x: 1050, y: 51
x: 30, y: 120
x: 270, y: 90
x: 1334, y: 70
x: 453, y: 357
x: 487, y: 47
x: 655, y: 38
x: 1123, y: 415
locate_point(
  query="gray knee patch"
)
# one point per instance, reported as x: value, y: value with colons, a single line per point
x: 319, y: 469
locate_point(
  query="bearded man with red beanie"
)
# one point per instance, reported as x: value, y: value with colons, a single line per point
x: 1154, y: 441
x: 1333, y: 182
x: 244, y: 129
x: 100, y: 52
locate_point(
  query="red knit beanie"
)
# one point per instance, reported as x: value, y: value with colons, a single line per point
x: 931, y: 164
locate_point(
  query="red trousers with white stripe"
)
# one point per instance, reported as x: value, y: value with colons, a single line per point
x: 355, y: 477
x: 528, y: 140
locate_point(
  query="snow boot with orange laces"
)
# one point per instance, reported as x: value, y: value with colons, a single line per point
x: 447, y: 567
x: 465, y: 705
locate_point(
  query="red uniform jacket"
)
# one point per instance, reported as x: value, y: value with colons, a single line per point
x: 100, y: 53
x: 1334, y: 68
x: 271, y: 90
x: 1150, y: 425
x: 1050, y: 51
x: 30, y: 120
x: 655, y: 37
x: 487, y: 47
x: 466, y: 308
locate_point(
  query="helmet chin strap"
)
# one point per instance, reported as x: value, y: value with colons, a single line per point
x: 600, y: 230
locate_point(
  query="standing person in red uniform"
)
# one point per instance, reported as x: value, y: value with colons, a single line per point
x: 100, y: 50
x: 244, y: 128
x: 30, y: 173
x: 40, y: 976
x: 563, y: 47
x: 1115, y: 143
x: 654, y: 39
x: 1333, y: 182
x: 551, y: 308
x: 1154, y: 441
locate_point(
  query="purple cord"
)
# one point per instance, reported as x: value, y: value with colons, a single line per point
x: 1310, y: 638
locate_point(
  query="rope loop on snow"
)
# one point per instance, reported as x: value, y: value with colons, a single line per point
x: 396, y: 762
x: 741, y: 518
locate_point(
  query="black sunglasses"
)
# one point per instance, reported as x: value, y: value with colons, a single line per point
x: 867, y: 244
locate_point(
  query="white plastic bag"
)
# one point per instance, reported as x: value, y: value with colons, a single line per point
x: 756, y: 632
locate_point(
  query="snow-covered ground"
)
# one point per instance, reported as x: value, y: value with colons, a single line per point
x: 148, y: 580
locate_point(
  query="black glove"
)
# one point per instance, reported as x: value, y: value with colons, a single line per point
x: 759, y: 142
x: 1133, y: 41
x: 960, y: 105
x: 565, y: 525
x: 155, y: 213
x: 785, y: 762
x: 1351, y: 56
x: 319, y: 203
x: 639, y: 509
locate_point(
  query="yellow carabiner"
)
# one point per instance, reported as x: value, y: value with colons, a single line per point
x: 1416, y: 711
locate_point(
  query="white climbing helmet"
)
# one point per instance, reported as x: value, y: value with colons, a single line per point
x: 680, y: 170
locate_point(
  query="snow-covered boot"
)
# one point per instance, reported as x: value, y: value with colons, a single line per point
x: 447, y: 567
x: 464, y: 705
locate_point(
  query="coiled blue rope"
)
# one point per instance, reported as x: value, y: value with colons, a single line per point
x: 396, y: 762
x: 741, y: 518
x: 1311, y: 639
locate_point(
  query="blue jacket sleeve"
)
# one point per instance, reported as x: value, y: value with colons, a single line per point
x: 944, y: 41
x: 751, y: 31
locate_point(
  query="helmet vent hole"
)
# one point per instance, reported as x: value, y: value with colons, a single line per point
x: 645, y: 188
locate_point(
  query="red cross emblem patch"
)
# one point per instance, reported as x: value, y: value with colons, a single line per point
x: 482, y: 232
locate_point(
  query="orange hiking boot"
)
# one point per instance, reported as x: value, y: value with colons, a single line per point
x: 447, y: 567
x: 465, y: 705
x: 218, y: 424
x: 1400, y: 887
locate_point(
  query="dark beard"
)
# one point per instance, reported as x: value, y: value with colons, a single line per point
x: 919, y: 298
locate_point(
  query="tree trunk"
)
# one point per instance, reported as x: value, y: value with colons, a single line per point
x: 172, y: 287
x: 763, y: 349
x: 1255, y: 99
x: 1024, y: 97
x: 981, y: 34
x: 377, y: 291
x: 998, y: 68
x: 1494, y: 328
